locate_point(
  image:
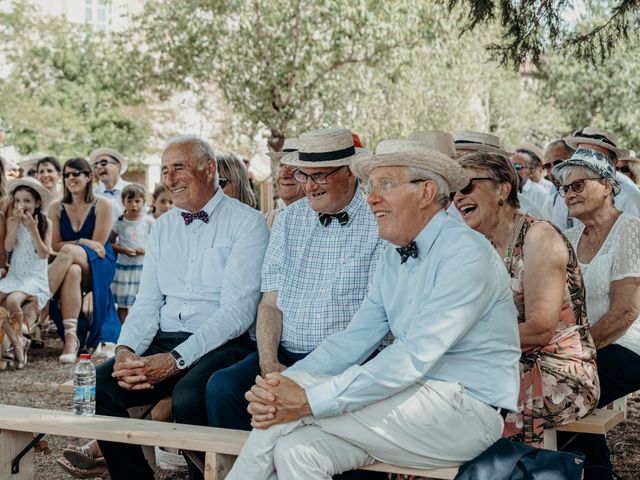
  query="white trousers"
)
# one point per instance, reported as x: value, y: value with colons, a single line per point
x: 430, y: 424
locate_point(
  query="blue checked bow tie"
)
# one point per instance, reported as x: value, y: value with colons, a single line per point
x: 111, y: 192
x: 407, y: 251
x: 326, y: 218
x: 190, y: 217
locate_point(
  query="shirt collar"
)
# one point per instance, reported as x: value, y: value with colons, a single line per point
x: 211, y: 205
x: 427, y: 236
x: 356, y: 203
x: 119, y: 186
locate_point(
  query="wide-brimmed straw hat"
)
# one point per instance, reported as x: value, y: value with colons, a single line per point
x: 45, y: 195
x: 629, y: 156
x: 595, y: 161
x: 31, y: 161
x: 102, y: 151
x: 290, y: 145
x: 594, y: 136
x: 329, y: 147
x: 409, y: 153
x: 530, y: 149
x: 435, y: 140
x: 478, y: 142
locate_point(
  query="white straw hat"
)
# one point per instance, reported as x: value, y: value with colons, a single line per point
x: 436, y: 140
x: 478, y: 141
x: 110, y: 152
x: 45, y: 195
x: 629, y: 156
x: 408, y: 153
x: 290, y: 145
x: 593, y: 136
x: 329, y: 147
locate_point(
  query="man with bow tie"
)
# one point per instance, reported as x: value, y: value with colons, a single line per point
x: 322, y: 253
x: 437, y: 395
x: 109, y: 165
x: 198, y: 296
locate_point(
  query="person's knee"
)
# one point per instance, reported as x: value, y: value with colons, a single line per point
x: 289, y: 454
x: 186, y: 403
x: 66, y: 253
x: 13, y: 303
x: 221, y: 388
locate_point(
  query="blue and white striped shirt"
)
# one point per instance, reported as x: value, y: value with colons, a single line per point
x: 321, y: 273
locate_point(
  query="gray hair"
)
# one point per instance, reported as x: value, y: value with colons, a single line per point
x: 418, y: 173
x: 567, y: 170
x: 200, y: 150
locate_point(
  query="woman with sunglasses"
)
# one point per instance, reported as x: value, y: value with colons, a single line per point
x: 233, y: 178
x: 85, y: 261
x: 629, y: 165
x: 607, y: 245
x: 558, y: 379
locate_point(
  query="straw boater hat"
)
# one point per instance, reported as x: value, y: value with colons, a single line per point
x: 110, y: 152
x: 329, y: 147
x: 478, y: 141
x: 45, y: 196
x: 435, y: 140
x: 290, y: 145
x: 629, y: 156
x: 593, y: 136
x: 529, y: 148
x: 408, y: 153
x: 31, y: 161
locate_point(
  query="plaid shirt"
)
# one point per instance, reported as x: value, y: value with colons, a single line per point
x: 321, y: 273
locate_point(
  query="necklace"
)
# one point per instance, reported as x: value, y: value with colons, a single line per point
x: 511, y: 242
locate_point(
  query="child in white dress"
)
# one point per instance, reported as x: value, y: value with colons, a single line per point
x: 129, y: 240
x: 28, y: 237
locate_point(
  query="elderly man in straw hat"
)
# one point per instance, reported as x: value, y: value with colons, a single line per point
x: 628, y: 200
x: 322, y: 252
x: 109, y: 165
x: 434, y: 397
x: 288, y: 189
x: 470, y: 142
x: 531, y: 155
x: 628, y: 164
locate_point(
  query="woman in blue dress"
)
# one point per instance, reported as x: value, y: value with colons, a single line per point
x: 85, y: 261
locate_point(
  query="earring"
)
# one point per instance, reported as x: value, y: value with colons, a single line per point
x: 500, y: 202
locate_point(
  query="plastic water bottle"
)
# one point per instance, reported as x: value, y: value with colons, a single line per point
x: 84, y: 386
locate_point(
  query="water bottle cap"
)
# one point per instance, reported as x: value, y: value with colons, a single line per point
x: 85, y: 356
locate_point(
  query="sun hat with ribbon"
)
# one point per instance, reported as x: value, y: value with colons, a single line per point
x: 593, y: 160
x: 478, y: 141
x: 594, y: 136
x: 290, y: 145
x: 435, y: 140
x: 329, y: 147
x: 629, y: 156
x: 109, y: 152
x: 531, y: 150
x: 45, y: 195
x: 410, y: 153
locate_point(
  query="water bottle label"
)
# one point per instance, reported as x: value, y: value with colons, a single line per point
x: 84, y: 393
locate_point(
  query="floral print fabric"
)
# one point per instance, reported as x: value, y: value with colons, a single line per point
x: 559, y: 382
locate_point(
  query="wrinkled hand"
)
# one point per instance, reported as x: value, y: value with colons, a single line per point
x: 271, y: 366
x: 141, y: 373
x: 276, y: 399
x: 96, y: 247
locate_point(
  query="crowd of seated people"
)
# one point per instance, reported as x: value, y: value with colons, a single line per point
x: 412, y: 304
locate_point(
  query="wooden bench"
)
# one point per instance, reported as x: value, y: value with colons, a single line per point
x: 221, y: 446
x: 599, y: 422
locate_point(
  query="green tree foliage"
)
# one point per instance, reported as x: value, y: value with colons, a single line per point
x: 68, y: 91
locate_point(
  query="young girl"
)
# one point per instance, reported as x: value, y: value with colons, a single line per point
x: 131, y: 231
x: 29, y: 238
x: 162, y: 201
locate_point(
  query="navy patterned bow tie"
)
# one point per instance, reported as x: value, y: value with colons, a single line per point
x: 190, y: 217
x: 326, y: 218
x: 407, y: 251
x: 111, y: 192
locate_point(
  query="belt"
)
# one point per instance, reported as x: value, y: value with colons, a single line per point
x: 503, y: 413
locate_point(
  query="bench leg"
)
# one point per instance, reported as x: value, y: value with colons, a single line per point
x: 11, y: 443
x: 550, y: 441
x: 217, y: 465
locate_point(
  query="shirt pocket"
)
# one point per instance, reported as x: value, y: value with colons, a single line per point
x: 351, y: 279
x: 213, y: 262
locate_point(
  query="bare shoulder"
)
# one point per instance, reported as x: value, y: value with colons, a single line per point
x: 545, y: 242
x: 54, y: 209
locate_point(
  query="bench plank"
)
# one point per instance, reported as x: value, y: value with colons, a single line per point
x: 439, y: 473
x: 600, y: 421
x: 12, y: 443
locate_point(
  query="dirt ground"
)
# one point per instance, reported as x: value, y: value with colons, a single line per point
x: 37, y: 386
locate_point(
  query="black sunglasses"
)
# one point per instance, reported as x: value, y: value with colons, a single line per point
x: 550, y: 165
x: 74, y: 174
x: 32, y: 172
x: 624, y: 169
x: 104, y: 163
x: 470, y: 186
x: 222, y: 181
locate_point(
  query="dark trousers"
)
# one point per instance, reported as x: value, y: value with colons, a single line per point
x: 186, y: 388
x: 619, y: 372
x: 227, y: 407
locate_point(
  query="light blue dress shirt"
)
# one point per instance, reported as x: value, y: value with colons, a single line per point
x: 201, y: 278
x: 453, y: 318
x: 321, y: 273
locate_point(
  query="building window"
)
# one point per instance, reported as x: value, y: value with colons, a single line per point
x: 96, y: 14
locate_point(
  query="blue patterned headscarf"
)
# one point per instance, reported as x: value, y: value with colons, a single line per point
x: 595, y: 161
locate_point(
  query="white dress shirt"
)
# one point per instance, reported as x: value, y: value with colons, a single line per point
x: 533, y: 200
x: 201, y: 278
x: 114, y: 195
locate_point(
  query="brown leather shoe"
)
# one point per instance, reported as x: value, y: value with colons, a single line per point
x: 81, y: 457
x: 97, y: 472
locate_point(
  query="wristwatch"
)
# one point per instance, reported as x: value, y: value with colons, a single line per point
x: 180, y: 363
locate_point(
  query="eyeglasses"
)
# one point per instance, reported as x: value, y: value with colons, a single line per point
x: 104, y: 163
x: 74, y: 174
x: 577, y: 186
x: 317, y: 178
x: 624, y: 169
x: 222, y: 181
x: 520, y: 166
x: 385, y: 185
x: 32, y: 172
x: 550, y: 165
x: 470, y: 187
